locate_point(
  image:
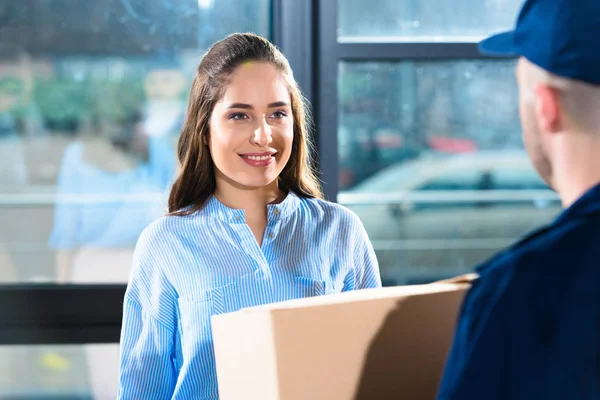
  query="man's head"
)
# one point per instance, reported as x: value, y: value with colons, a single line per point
x: 552, y: 109
x: 559, y: 78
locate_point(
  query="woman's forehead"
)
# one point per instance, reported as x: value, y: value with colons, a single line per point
x: 256, y: 84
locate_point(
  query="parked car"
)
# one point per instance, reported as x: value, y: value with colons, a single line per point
x: 440, y: 215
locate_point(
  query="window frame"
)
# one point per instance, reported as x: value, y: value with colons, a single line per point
x: 331, y: 53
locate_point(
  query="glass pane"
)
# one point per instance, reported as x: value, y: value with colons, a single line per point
x: 431, y: 160
x: 92, y: 98
x: 87, y: 372
x: 423, y: 20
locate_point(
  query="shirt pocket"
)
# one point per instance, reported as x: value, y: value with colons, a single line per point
x: 308, y: 287
x: 195, y: 310
x: 213, y: 301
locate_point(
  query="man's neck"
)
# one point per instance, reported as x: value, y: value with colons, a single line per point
x: 576, y: 169
x: 574, y: 190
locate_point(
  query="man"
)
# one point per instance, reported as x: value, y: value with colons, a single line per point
x: 530, y: 325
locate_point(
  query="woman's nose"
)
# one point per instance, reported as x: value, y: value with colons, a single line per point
x: 262, y: 134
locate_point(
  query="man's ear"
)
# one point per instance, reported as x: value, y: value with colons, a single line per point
x: 548, y: 109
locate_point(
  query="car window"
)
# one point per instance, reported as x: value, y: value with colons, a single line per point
x: 394, y: 178
x: 517, y: 179
x: 450, y: 181
x: 455, y: 180
x: 505, y: 179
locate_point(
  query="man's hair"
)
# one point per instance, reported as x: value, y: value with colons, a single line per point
x: 580, y: 101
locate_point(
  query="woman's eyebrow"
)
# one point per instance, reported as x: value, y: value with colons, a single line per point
x: 249, y: 107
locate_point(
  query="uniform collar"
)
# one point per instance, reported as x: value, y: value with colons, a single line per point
x: 587, y: 204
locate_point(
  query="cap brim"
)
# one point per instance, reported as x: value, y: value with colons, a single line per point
x: 500, y: 45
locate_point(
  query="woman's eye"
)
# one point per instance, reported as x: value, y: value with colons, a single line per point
x: 279, y: 115
x: 238, y: 116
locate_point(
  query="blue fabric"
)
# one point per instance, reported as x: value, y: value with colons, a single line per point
x: 127, y: 202
x: 187, y: 269
x: 560, y: 36
x: 530, y: 326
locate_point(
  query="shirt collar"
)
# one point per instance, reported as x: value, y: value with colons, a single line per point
x: 274, y: 211
x: 587, y: 204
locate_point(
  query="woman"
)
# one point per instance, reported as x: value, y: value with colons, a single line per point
x: 246, y: 224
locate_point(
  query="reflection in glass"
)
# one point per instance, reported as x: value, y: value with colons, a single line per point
x: 20, y: 121
x: 17, y: 113
x: 431, y: 160
x: 390, y: 112
x: 423, y: 20
x: 110, y: 183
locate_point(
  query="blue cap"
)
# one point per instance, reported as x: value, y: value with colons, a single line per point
x: 560, y: 36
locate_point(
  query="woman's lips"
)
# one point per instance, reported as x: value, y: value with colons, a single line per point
x: 258, y: 159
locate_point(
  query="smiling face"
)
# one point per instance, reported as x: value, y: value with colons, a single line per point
x: 252, y: 128
x: 246, y: 129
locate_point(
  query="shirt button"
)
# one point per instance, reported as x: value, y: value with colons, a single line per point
x: 238, y: 218
x: 270, y: 236
x: 276, y: 211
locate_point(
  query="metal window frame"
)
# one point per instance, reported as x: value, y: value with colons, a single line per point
x: 57, y: 314
x: 295, y: 33
x: 292, y: 32
x: 331, y: 52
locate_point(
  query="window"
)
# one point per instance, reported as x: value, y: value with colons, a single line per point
x: 418, y: 20
x: 390, y: 112
x: 428, y: 138
x: 470, y: 181
x: 58, y: 372
x: 517, y: 179
x: 92, y: 98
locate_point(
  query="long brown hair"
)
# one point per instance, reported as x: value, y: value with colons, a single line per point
x: 196, y: 181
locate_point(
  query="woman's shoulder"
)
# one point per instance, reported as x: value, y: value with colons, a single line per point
x: 331, y: 211
x: 166, y: 230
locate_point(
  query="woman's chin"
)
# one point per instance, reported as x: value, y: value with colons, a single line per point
x: 255, y: 182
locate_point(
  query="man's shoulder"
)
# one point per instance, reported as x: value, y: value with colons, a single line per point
x: 538, y: 262
x: 548, y: 247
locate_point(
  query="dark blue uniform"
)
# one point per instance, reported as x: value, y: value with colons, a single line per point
x: 529, y: 327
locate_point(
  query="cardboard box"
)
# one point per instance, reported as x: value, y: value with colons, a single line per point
x: 374, y: 344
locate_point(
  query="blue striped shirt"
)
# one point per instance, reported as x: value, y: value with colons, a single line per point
x: 189, y: 268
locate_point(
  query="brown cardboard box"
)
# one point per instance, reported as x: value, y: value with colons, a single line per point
x: 373, y: 344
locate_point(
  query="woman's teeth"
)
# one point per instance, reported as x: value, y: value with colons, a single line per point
x: 258, y: 158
